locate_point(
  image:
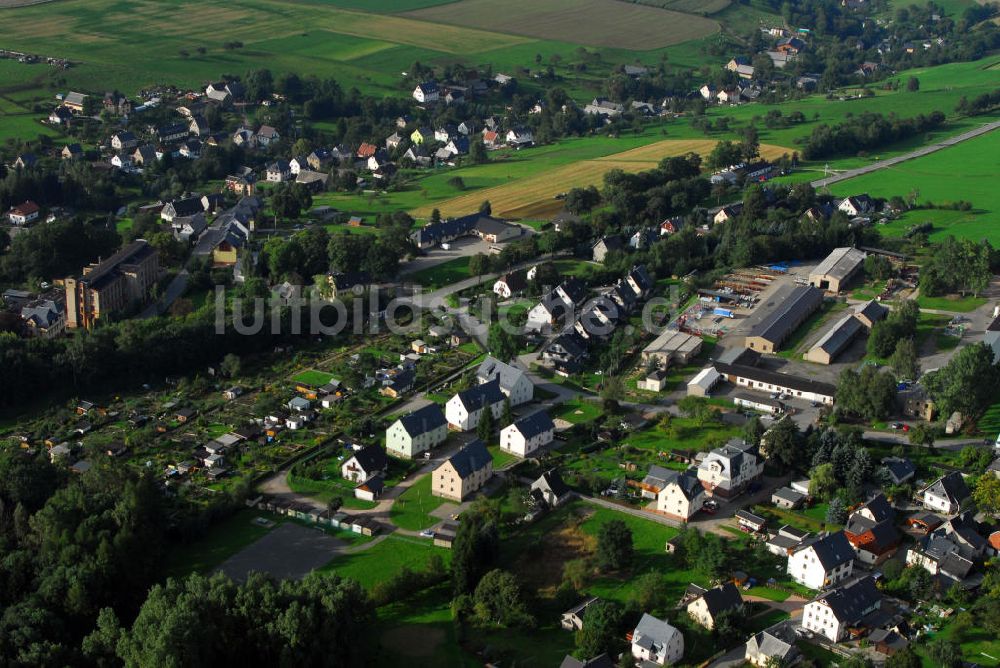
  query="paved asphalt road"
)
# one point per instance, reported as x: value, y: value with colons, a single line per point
x: 926, y: 150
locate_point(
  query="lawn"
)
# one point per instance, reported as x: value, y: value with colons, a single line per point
x: 442, y: 274
x: 952, y: 303
x: 313, y: 378
x: 963, y: 172
x: 412, y: 509
x: 325, y: 490
x: 384, y: 559
x: 576, y: 411
x: 501, y: 458
x: 222, y: 541
x: 989, y: 424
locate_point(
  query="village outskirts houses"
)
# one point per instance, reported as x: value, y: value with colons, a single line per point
x: 946, y: 495
x: 464, y: 473
x: 680, y: 495
x: 513, y: 382
x: 464, y: 410
x: 656, y: 642
x: 365, y: 463
x: 823, y: 562
x: 730, y: 469
x: 835, y: 612
x: 526, y: 435
x: 709, y: 604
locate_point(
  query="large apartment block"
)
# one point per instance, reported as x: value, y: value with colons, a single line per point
x: 109, y: 286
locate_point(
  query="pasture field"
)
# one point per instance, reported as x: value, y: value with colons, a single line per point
x: 534, y: 196
x: 608, y: 23
x: 130, y: 47
x: 966, y: 172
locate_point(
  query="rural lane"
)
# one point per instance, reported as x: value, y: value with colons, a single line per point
x: 920, y: 152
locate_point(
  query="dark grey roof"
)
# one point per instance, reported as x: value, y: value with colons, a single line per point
x: 833, y: 550
x: 601, y: 661
x: 951, y: 486
x: 423, y: 420
x: 788, y: 494
x: 879, y: 508
x: 371, y: 458
x: 872, y: 311
x: 403, y: 380
x: 479, y: 396
x: 838, y: 337
x: 473, y: 457
x: 534, y: 424
x: 722, y: 598
x: 788, y: 307
x: 555, y: 483
x: 574, y: 288
x: 853, y: 601
x: 187, y: 206
x: 900, y: 468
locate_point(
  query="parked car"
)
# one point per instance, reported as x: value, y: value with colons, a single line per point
x: 427, y: 533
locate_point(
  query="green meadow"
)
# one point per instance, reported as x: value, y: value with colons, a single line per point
x: 965, y: 172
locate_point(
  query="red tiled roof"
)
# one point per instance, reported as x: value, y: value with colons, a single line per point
x: 25, y: 209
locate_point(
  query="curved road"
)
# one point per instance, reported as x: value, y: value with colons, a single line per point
x: 920, y: 152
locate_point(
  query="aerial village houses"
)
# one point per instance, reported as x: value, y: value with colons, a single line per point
x: 24, y: 213
x: 463, y: 473
x: 822, y: 563
x: 464, y: 410
x: 364, y: 464
x: 728, y: 470
x: 550, y: 489
x: 947, y: 494
x: 514, y: 383
x: 710, y: 603
x: 871, y: 531
x: 656, y: 642
x: 681, y: 497
x: 835, y: 612
x: 528, y: 434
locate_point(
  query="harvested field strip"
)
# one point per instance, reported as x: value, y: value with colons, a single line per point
x: 608, y: 23
x: 535, y: 196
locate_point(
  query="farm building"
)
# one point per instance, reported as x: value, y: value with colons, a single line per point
x: 672, y: 346
x: 839, y: 267
x: 654, y: 381
x: 870, y: 312
x: 835, y: 341
x: 764, y: 380
x: 781, y: 315
x: 704, y: 382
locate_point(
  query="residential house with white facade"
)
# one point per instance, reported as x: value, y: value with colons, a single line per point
x: 514, y: 383
x: 525, y: 436
x: 823, y: 562
x: 464, y: 410
x: 417, y: 432
x: 657, y: 642
x: 835, y: 612
x: 727, y: 471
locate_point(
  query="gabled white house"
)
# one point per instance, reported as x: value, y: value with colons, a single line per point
x: 822, y: 563
x: 946, y: 494
x: 464, y: 410
x: 528, y: 434
x: 417, y: 432
x: 727, y: 471
x: 514, y: 383
x: 832, y: 614
x: 365, y: 463
x: 657, y: 642
x: 681, y: 496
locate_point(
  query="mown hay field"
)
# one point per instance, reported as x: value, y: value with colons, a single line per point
x: 535, y: 197
x: 601, y: 23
